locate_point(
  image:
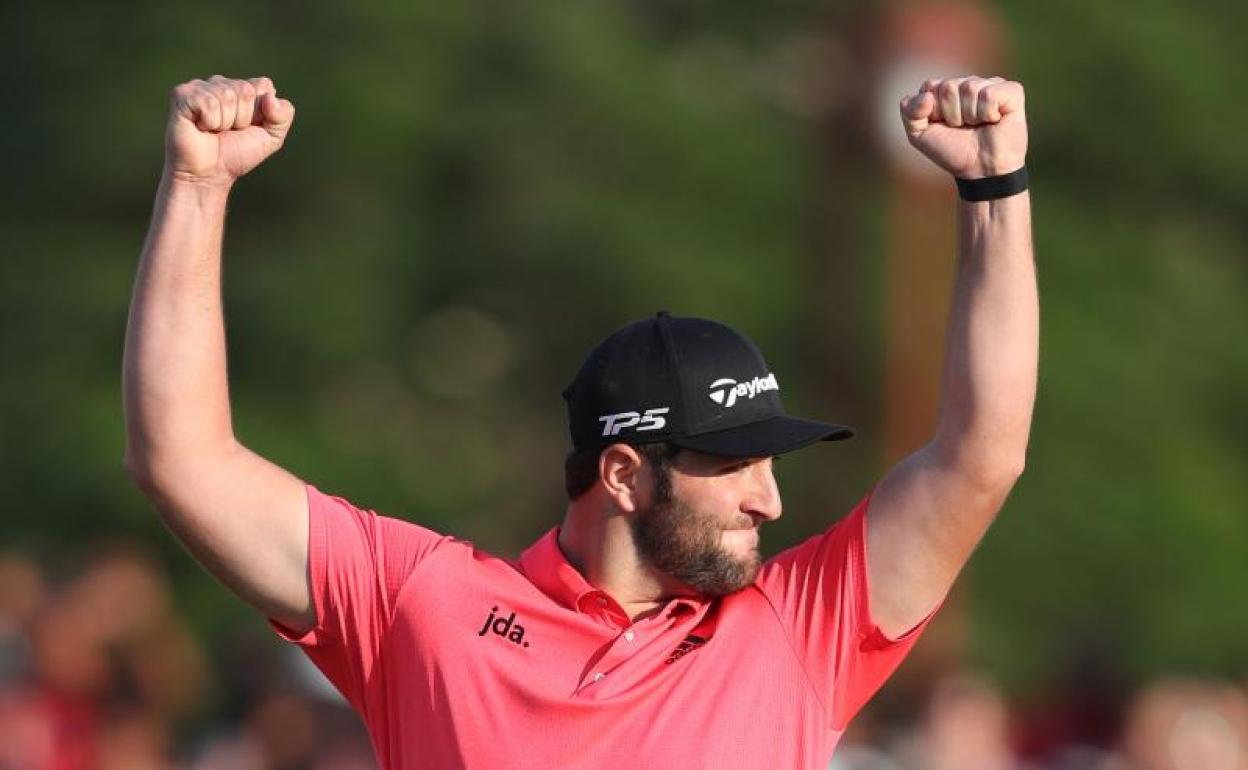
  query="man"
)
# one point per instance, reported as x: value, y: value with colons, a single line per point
x: 644, y: 631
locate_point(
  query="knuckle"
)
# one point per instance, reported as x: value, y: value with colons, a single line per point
x: 948, y: 88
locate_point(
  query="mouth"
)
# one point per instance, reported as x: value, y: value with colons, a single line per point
x: 746, y: 537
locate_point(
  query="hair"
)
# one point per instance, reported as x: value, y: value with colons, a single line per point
x: 580, y: 469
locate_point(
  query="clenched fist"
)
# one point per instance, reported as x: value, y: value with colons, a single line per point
x: 221, y: 128
x: 971, y: 127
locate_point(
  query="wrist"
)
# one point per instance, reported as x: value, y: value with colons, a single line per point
x: 993, y: 162
x: 181, y: 185
x: 993, y: 187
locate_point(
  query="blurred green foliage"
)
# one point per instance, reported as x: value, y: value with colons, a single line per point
x: 475, y: 193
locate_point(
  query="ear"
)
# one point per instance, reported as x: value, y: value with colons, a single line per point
x: 621, y: 470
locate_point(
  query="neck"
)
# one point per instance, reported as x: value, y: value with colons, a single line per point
x: 600, y: 545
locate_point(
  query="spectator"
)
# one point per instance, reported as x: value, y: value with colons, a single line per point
x: 965, y: 727
x: 1181, y: 724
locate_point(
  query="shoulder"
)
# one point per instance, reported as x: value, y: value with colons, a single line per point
x: 844, y: 541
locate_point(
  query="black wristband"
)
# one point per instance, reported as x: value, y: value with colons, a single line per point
x: 992, y: 187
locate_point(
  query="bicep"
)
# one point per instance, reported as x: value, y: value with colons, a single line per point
x: 925, y: 518
x: 245, y: 520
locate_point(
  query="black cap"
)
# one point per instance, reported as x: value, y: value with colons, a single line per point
x: 696, y: 383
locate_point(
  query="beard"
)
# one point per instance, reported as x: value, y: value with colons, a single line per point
x: 677, y: 539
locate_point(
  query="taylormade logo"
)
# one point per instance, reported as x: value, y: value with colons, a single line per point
x: 726, y: 391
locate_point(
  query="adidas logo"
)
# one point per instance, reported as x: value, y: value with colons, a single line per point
x: 726, y: 391
x: 691, y: 643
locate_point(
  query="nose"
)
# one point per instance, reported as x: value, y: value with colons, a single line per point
x: 763, y: 496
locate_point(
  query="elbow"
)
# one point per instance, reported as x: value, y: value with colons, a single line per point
x: 139, y: 469
x: 1020, y: 465
x: 1005, y: 467
x: 1011, y: 472
x: 998, y: 474
x: 157, y: 473
x: 161, y: 472
x: 992, y: 470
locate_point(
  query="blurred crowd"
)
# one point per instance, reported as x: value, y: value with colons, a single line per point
x: 967, y: 724
x: 99, y: 671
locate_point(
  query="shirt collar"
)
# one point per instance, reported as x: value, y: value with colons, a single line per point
x: 544, y: 564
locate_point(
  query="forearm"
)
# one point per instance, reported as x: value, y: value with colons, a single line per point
x: 989, y: 379
x: 175, y: 387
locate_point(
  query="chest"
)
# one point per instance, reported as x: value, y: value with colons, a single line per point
x: 505, y: 671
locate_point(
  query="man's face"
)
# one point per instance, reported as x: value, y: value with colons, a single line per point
x: 702, y: 524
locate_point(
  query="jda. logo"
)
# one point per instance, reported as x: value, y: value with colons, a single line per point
x: 506, y: 627
x: 726, y: 391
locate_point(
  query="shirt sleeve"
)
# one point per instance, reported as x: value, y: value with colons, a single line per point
x: 358, y: 562
x: 820, y: 594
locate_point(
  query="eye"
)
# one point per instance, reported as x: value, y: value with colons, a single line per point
x: 736, y: 466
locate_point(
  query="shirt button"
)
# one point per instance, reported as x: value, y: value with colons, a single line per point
x: 598, y: 677
x: 628, y: 636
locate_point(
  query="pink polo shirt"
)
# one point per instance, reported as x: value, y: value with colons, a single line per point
x: 456, y: 658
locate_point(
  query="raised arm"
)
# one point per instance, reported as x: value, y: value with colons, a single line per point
x: 929, y: 512
x: 242, y: 517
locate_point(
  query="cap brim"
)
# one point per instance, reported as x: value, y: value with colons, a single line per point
x: 765, y: 438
